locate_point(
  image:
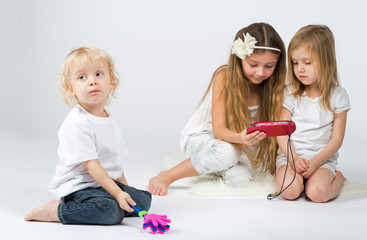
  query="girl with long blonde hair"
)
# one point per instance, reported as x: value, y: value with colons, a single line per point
x: 246, y: 90
x: 318, y: 105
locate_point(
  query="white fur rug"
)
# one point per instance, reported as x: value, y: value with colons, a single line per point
x: 261, y: 185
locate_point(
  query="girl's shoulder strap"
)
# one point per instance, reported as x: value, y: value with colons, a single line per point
x: 222, y: 68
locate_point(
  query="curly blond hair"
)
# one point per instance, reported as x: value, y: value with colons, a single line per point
x: 84, y: 54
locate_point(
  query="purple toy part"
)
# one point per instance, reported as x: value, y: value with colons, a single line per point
x: 160, y: 229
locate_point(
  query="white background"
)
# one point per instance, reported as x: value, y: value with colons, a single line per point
x: 165, y: 52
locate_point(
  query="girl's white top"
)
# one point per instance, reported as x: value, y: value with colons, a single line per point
x: 84, y: 137
x: 314, y: 123
x: 201, y: 121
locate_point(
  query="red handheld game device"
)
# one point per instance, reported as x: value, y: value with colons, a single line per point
x: 273, y: 128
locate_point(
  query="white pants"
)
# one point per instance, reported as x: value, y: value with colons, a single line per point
x: 210, y: 155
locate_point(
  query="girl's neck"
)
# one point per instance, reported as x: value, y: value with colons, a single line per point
x: 253, y: 98
x: 253, y: 87
x: 312, y: 91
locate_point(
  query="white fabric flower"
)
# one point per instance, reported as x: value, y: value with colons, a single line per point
x: 244, y: 48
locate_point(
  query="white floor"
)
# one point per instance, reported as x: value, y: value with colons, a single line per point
x: 26, y: 170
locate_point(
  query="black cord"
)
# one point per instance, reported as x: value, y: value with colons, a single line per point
x: 289, y: 149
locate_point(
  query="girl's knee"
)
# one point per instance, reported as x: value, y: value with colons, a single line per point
x: 291, y: 194
x: 218, y: 156
x: 227, y: 152
x: 293, y: 191
x: 318, y: 193
x: 237, y: 181
x: 237, y: 176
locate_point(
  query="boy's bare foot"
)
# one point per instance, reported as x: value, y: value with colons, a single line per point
x: 158, y: 185
x: 44, y: 213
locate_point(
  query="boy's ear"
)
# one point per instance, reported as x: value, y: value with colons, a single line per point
x: 112, y: 84
x: 70, y: 91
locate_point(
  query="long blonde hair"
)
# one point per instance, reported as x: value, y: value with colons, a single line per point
x: 237, y: 90
x: 319, y: 41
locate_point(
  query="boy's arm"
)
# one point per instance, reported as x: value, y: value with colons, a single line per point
x: 337, y: 136
x: 96, y: 170
x: 122, y: 179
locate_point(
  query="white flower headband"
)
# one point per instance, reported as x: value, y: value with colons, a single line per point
x: 246, y: 47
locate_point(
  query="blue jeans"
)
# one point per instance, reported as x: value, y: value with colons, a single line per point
x: 97, y: 206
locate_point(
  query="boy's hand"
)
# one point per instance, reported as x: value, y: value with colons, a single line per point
x: 124, y: 200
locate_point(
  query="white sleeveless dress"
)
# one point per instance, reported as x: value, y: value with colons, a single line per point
x: 210, y: 155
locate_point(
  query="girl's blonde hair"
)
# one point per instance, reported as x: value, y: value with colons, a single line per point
x: 319, y: 41
x: 82, y: 55
x: 237, y: 90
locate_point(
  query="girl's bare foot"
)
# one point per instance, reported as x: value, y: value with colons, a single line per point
x: 339, y: 175
x: 44, y: 213
x: 158, y: 185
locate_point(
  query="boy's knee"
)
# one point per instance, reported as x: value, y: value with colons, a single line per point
x: 144, y: 200
x: 110, y: 212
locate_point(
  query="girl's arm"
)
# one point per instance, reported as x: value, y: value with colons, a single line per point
x: 219, y: 121
x: 102, y: 178
x: 301, y: 163
x: 337, y: 136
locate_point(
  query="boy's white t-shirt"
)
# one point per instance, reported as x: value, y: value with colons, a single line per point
x: 84, y: 137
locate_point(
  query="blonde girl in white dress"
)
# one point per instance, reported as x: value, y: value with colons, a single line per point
x: 318, y: 105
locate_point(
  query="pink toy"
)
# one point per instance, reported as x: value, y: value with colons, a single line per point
x: 157, y: 223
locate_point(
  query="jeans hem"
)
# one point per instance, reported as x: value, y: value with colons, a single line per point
x: 59, y: 214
